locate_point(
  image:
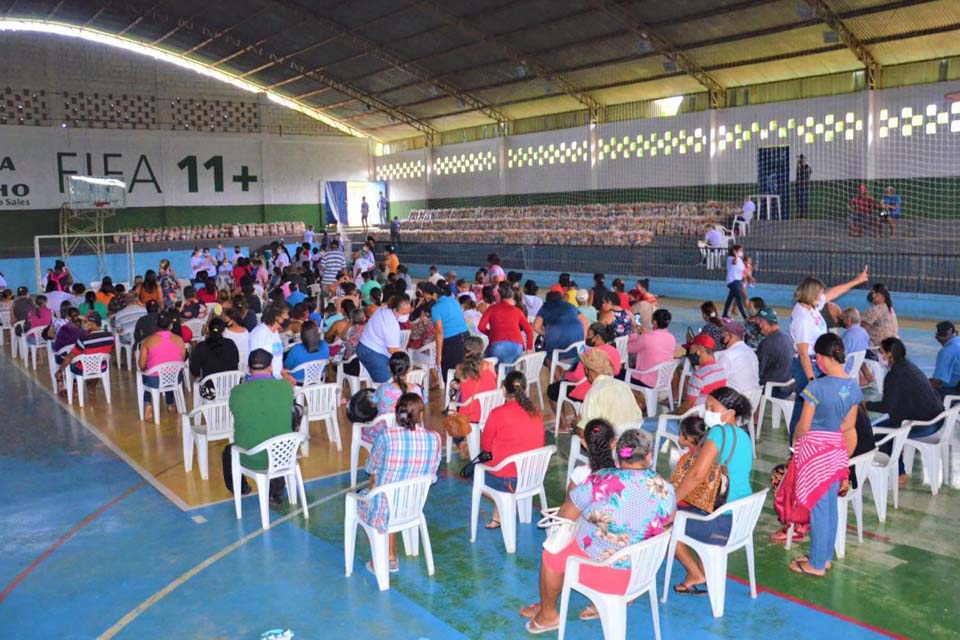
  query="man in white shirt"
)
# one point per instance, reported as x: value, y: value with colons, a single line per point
x: 267, y: 336
x: 738, y: 360
x: 435, y: 276
x: 55, y: 299
x: 749, y: 208
x: 714, y: 238
x: 308, y: 235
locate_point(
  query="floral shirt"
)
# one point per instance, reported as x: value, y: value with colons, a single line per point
x: 621, y: 323
x: 620, y: 507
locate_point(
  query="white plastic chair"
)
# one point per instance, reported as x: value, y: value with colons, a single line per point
x: 121, y: 345
x: 489, y: 400
x: 320, y: 402
x: 622, y: 344
x: 564, y: 365
x: 91, y: 365
x: 404, y: 339
x: 861, y: 466
x: 281, y: 463
x: 663, y: 435
x: 426, y: 358
x: 934, y: 449
x: 853, y: 363
x: 405, y: 500
x: 6, y: 326
x: 16, y: 342
x: 530, y: 365
x: 883, y: 473
x: 574, y: 458
x: 778, y: 407
x: 52, y: 361
x: 223, y: 384
x: 755, y: 396
x: 39, y: 343
x: 562, y: 399
x: 531, y: 469
x: 208, y: 422
x: 169, y: 374
x: 357, y: 442
x: 645, y: 560
x: 685, y: 372
x: 745, y: 512
x: 196, y: 326
x: 418, y: 377
x: 664, y: 385
x: 877, y: 369
x: 314, y: 372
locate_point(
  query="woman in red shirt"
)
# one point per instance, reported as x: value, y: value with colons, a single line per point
x: 474, y: 375
x: 512, y: 428
x: 505, y: 324
x: 208, y: 295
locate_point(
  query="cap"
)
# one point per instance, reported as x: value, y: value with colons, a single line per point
x: 735, y: 328
x: 557, y: 289
x: 95, y: 317
x: 259, y: 360
x: 768, y: 314
x: 702, y: 340
x: 945, y: 328
x: 583, y: 295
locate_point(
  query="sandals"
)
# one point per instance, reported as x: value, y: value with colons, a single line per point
x: 797, y: 567
x: 589, y: 613
x: 493, y: 524
x: 536, y: 628
x: 691, y: 590
x: 530, y: 611
x: 394, y: 566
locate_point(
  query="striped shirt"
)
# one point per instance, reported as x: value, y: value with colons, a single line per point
x: 704, y: 380
x: 93, y: 342
x: 398, y: 454
x: 330, y: 263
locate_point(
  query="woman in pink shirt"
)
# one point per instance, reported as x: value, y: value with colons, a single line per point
x: 652, y: 348
x: 40, y: 317
x: 506, y: 325
x: 599, y: 336
x: 512, y: 428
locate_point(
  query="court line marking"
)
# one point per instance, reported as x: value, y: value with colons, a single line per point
x: 306, y: 482
x: 184, y: 577
x: 120, y: 453
x: 62, y: 539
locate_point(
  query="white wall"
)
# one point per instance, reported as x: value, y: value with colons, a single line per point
x: 841, y: 137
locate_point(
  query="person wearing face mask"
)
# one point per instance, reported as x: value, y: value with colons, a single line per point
x: 735, y: 281
x: 707, y: 376
x: 381, y: 337
x: 807, y: 324
x: 824, y: 437
x: 946, y: 373
x: 726, y: 412
x: 266, y: 336
x: 880, y: 320
x: 599, y: 336
x: 739, y: 362
x: 907, y: 395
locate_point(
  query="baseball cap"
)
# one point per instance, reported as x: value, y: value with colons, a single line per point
x: 583, y: 295
x: 945, y: 328
x: 95, y: 317
x: 735, y: 328
x: 259, y: 360
x: 702, y: 340
x: 557, y: 288
x: 768, y: 314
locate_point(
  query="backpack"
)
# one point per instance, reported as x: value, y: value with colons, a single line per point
x: 361, y: 407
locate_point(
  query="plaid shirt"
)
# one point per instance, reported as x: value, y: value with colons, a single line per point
x: 398, y: 454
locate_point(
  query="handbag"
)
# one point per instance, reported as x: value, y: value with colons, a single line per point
x: 712, y: 491
x: 560, y: 531
x: 456, y: 425
x: 467, y: 471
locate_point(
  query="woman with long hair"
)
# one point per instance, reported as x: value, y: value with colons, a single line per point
x: 474, y: 375
x: 880, y: 320
x: 735, y: 268
x: 150, y: 288
x: 215, y: 354
x: 712, y: 325
x: 507, y: 328
x: 169, y: 286
x: 514, y: 427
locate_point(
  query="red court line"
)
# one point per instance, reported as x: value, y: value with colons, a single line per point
x: 62, y: 539
x: 868, y: 534
x: 818, y: 608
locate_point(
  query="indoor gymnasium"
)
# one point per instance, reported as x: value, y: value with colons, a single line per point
x: 438, y: 319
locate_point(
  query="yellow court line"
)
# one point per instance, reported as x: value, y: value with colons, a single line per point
x: 120, y: 453
x: 162, y: 593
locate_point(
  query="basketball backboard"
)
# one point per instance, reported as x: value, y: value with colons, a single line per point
x: 89, y: 192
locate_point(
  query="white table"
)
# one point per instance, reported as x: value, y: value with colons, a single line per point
x: 769, y: 197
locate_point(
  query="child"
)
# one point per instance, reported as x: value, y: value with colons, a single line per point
x: 692, y: 431
x: 192, y: 307
x: 748, y: 279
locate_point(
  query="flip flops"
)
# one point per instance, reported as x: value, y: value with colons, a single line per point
x: 535, y: 628
x: 693, y: 590
x: 797, y: 567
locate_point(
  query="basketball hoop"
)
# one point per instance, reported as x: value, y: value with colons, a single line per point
x: 953, y: 96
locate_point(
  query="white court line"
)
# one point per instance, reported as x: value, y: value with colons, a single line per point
x: 167, y: 590
x: 146, y: 475
x: 306, y: 481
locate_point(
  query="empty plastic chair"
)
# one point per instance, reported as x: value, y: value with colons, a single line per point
x: 206, y: 423
x: 320, y: 402
x: 530, y: 365
x: 664, y: 385
x: 357, y: 442
x: 854, y: 496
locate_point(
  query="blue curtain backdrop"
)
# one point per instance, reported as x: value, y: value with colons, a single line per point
x: 335, y: 199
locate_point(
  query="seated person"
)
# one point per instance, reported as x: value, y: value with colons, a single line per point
x: 652, y: 348
x: 311, y: 348
x: 946, y: 373
x: 94, y: 340
x: 707, y: 375
x: 774, y: 353
x: 215, y: 354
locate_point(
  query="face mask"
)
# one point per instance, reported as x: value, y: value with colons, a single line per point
x: 739, y: 254
x: 403, y: 318
x: 694, y: 359
x: 712, y: 418
x: 821, y: 302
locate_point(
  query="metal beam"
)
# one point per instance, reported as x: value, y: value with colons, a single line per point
x: 375, y: 50
x: 850, y: 39
x: 392, y: 111
x: 718, y: 94
x: 436, y: 8
x: 223, y: 32
x: 53, y: 11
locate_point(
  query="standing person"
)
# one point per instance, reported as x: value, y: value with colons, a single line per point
x: 266, y: 336
x: 802, y: 186
x: 599, y: 291
x: 514, y: 427
x: 161, y: 347
x: 406, y: 450
x: 735, y: 281
x: 824, y: 437
x: 859, y: 210
x: 261, y: 409
x: 169, y: 287
x: 196, y: 263
x: 451, y: 331
x: 889, y: 211
x: 308, y: 235
x: 395, y: 232
x: 946, y: 372
x: 381, y: 337
x: 331, y: 263
x: 880, y: 320
x: 391, y: 262
x: 495, y: 272
x: 149, y: 289
x: 807, y: 324
x: 505, y: 325
x: 382, y: 209
x: 60, y: 276
x: 364, y: 212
